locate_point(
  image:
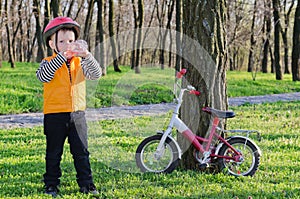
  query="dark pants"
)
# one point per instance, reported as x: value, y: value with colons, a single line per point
x: 58, y: 127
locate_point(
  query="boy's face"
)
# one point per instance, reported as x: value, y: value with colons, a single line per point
x: 64, y: 39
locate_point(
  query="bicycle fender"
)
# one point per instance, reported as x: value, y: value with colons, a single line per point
x: 177, y: 145
x: 238, y: 136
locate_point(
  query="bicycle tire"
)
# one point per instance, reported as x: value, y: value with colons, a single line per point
x: 250, y: 153
x: 146, y: 161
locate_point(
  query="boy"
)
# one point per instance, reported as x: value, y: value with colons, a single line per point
x: 63, y: 75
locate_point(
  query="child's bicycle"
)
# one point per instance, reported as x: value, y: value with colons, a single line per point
x: 238, y: 154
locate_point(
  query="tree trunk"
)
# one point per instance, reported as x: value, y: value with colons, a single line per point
x: 178, y: 34
x: 99, y: 44
x: 204, y: 59
x: 70, y: 9
x: 284, y: 33
x: 1, y: 22
x: 160, y: 16
x: 88, y: 21
x: 133, y: 52
x: 137, y: 68
x: 252, y: 41
x: 166, y: 31
x: 37, y: 13
x: 9, y: 46
x: 79, y: 10
x: 277, y: 28
x: 112, y: 35
x: 296, y: 46
x: 56, y: 8
x: 151, y: 19
x: 266, y: 45
x: 272, y: 60
x: 47, y: 20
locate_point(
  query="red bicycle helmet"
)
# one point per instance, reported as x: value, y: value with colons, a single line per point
x: 58, y: 23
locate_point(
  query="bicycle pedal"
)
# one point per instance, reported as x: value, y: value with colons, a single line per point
x: 203, y: 166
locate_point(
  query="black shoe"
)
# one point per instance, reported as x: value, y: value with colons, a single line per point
x: 51, y: 190
x: 91, y: 188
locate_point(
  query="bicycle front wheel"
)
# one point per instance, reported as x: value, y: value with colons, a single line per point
x: 249, y: 163
x: 147, y: 159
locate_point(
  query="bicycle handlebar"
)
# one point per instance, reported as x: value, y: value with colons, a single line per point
x: 189, y: 88
x: 181, y: 73
x: 194, y: 92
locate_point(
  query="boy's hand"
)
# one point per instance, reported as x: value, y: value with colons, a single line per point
x: 83, y: 53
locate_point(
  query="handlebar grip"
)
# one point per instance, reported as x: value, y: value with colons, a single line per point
x: 194, y: 92
x: 181, y: 73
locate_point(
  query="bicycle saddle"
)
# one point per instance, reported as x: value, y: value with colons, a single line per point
x: 219, y: 113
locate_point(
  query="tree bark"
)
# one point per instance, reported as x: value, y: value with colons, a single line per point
x: 160, y: 16
x: 9, y: 45
x: 37, y: 13
x: 296, y: 46
x: 204, y: 22
x: 56, y: 8
x: 178, y: 35
x: 99, y: 44
x: 70, y: 9
x: 137, y: 68
x: 266, y: 45
x: 252, y: 41
x: 133, y: 52
x: 277, y: 28
x: 112, y: 35
x: 284, y: 33
x: 171, y: 6
x: 47, y: 20
x: 1, y: 21
x: 88, y: 21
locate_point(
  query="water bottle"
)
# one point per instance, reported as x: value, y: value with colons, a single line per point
x: 76, y: 47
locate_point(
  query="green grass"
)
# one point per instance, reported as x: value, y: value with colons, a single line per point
x: 241, y: 84
x: 20, y: 91
x: 112, y: 146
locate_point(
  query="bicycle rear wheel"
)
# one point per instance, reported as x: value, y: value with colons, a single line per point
x: 147, y: 161
x: 250, y: 153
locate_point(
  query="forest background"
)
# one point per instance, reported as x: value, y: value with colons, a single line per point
x: 261, y: 35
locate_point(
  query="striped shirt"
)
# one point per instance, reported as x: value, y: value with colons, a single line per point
x: 90, y: 67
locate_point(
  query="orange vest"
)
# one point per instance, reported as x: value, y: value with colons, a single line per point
x: 62, y: 95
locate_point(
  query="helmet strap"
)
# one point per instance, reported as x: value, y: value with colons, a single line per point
x: 56, y: 38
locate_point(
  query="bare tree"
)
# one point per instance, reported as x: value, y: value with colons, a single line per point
x: 171, y: 6
x: 56, y: 8
x: 7, y: 26
x: 88, y: 21
x: 252, y: 40
x: 1, y: 21
x: 139, y: 36
x: 238, y: 32
x: 277, y: 39
x: 267, y: 33
x: 70, y: 8
x: 296, y: 46
x: 178, y: 34
x: 161, y: 12
x: 284, y: 32
x: 112, y: 36
x: 99, y: 45
x: 135, y: 23
x: 46, y: 20
x: 37, y: 13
